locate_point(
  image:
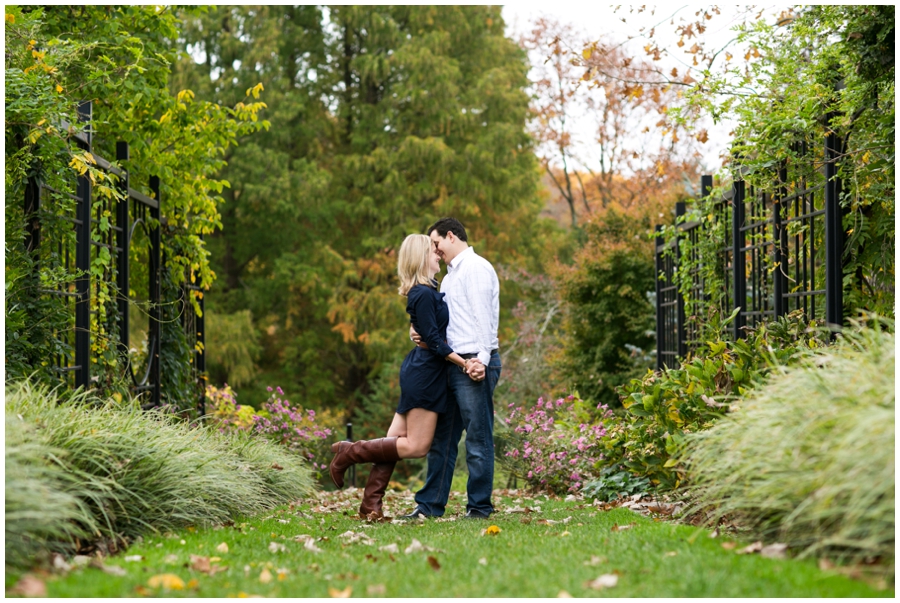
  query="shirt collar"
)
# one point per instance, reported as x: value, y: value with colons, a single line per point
x: 455, y: 262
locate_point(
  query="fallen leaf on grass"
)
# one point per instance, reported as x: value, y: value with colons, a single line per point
x: 340, y: 594
x: 203, y: 564
x: 417, y: 547
x: 390, y: 548
x: 129, y: 558
x: 29, y: 586
x: 825, y: 564
x: 617, y: 528
x: 222, y: 548
x: 351, y: 537
x: 376, y: 589
x: 490, y: 531
x: 310, y: 545
x: 670, y: 554
x: 604, y: 581
x: 661, y: 508
x: 143, y: 591
x: 200, y: 564
x: 482, y: 561
x: 729, y: 545
x: 774, y: 551
x: 59, y: 563
x: 517, y: 509
x: 751, y: 548
x: 566, y: 533
x: 166, y: 581
x: 265, y: 576
x: 193, y: 584
x: 276, y: 547
x: 563, y: 595
x: 433, y: 562
x: 595, y: 560
x: 112, y: 570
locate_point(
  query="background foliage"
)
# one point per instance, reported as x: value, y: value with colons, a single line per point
x: 385, y: 119
x: 119, y: 58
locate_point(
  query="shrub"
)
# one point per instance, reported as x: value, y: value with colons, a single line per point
x: 662, y: 407
x: 613, y: 483
x: 808, y: 459
x: 607, y: 316
x: 134, y: 471
x: 299, y: 431
x: 554, y: 446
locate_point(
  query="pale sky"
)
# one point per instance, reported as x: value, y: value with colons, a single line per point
x: 600, y: 20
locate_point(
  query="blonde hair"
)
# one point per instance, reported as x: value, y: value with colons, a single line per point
x: 412, y: 262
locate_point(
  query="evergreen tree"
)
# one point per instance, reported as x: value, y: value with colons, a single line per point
x: 383, y: 120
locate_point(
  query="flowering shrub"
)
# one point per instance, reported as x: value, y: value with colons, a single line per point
x: 294, y: 428
x: 555, y: 446
x: 225, y: 411
x: 299, y: 430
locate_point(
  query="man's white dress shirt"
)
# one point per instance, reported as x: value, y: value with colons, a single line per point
x: 473, y: 297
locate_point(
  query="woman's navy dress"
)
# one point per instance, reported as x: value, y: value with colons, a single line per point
x: 423, y: 375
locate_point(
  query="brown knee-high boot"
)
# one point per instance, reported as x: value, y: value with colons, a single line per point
x: 371, y: 506
x: 382, y: 450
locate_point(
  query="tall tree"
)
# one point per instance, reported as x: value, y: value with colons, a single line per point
x: 384, y: 119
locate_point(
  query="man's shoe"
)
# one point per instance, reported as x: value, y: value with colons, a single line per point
x: 473, y: 514
x: 415, y: 514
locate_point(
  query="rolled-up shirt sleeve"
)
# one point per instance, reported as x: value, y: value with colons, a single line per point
x: 421, y: 308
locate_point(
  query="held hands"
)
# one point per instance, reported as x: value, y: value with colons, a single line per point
x: 474, y: 369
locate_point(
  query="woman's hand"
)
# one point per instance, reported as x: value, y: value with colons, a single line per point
x: 474, y: 369
x: 416, y: 338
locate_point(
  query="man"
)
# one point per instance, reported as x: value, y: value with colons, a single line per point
x: 472, y: 293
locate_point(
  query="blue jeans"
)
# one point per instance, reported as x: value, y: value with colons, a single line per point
x: 471, y: 407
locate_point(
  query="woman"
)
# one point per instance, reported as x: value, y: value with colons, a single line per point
x: 423, y: 380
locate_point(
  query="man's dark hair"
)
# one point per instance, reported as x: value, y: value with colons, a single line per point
x: 445, y: 225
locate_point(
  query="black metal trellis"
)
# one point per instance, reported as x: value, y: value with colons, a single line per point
x: 135, y: 210
x: 770, y: 258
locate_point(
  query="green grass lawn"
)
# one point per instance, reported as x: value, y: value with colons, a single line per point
x: 530, y: 557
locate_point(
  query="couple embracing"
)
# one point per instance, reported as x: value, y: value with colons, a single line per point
x: 447, y: 381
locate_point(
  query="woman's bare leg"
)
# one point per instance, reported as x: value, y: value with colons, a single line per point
x: 414, y: 432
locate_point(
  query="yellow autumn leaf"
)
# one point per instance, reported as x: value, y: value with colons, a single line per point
x: 167, y: 581
x: 586, y: 53
x: 340, y: 594
x: 492, y: 531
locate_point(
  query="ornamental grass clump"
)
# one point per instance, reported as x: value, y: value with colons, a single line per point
x: 44, y: 508
x: 142, y: 471
x: 808, y: 458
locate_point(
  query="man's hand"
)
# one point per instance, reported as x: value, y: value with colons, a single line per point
x: 475, y: 369
x: 416, y: 338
